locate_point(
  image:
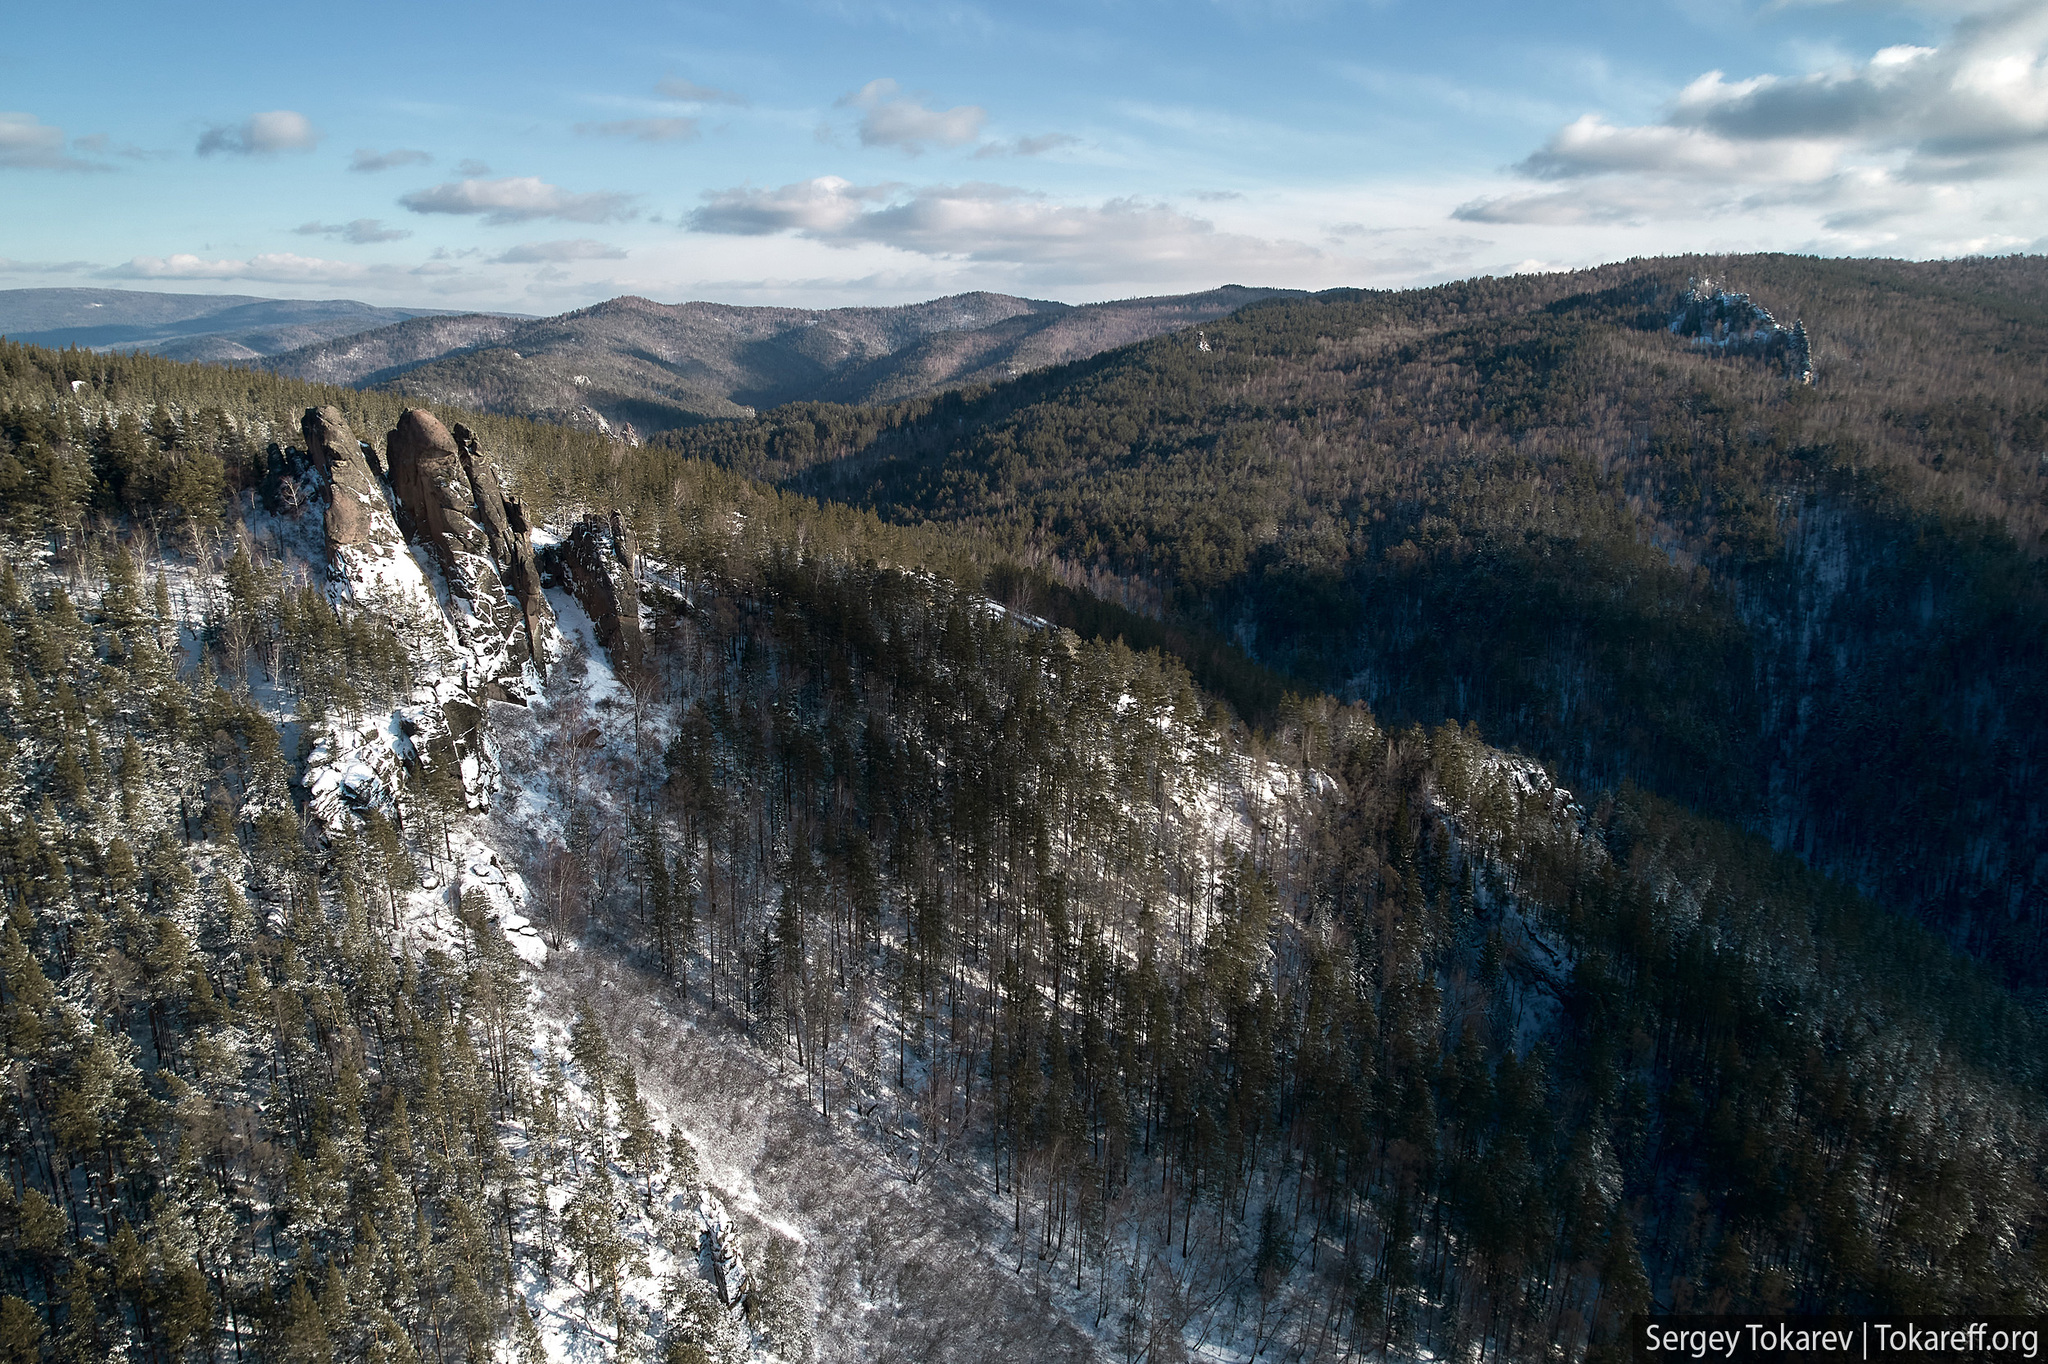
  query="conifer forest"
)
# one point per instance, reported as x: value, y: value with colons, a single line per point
x: 1391, y: 825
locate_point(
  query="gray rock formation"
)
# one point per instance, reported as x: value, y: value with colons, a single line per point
x: 511, y: 541
x: 430, y: 544
x: 450, y: 506
x: 434, y: 500
x: 597, y: 563
x: 1736, y: 325
x: 357, y: 502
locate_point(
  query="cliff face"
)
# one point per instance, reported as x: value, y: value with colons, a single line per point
x: 357, y: 514
x: 451, y: 508
x: 510, y: 541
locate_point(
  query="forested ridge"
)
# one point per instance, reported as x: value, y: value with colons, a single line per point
x: 255, y: 1108
x: 1814, y: 610
x: 1334, y: 1036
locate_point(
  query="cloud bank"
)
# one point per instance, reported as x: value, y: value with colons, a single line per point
x: 1027, y: 146
x: 27, y: 143
x: 1866, y: 144
x: 370, y: 159
x: 997, y: 224
x: 361, y: 232
x: 554, y: 253
x: 281, y: 267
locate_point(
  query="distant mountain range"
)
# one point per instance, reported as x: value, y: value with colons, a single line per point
x: 627, y: 365
x: 657, y: 366
x: 215, y: 328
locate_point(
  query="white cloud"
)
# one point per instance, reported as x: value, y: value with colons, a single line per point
x: 26, y: 143
x: 819, y: 208
x: 517, y: 199
x: 1028, y: 146
x: 643, y: 129
x: 99, y: 144
x: 1984, y: 91
x: 370, y: 159
x: 1001, y: 225
x: 892, y: 119
x: 280, y: 267
x: 534, y: 253
x: 689, y: 92
x: 277, y: 130
x: 1562, y: 208
x: 1858, y: 146
x: 1593, y: 146
x: 361, y: 232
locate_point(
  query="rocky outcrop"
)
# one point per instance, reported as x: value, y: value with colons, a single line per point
x: 426, y: 477
x: 430, y: 545
x: 718, y: 1250
x: 359, y: 767
x: 1736, y: 325
x: 372, y: 565
x: 511, y: 541
x: 451, y: 507
x: 358, y: 514
x: 597, y: 563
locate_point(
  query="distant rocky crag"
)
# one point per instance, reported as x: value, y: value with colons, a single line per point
x: 1737, y: 325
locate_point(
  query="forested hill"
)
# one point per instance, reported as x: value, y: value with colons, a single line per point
x: 631, y: 363
x: 441, y: 922
x: 1555, y: 506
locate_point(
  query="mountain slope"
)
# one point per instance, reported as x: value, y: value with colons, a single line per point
x: 218, y: 328
x: 655, y: 366
x: 825, y: 960
x: 382, y: 353
x: 1533, y: 504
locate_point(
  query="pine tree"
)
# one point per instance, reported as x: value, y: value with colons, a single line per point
x: 303, y: 1337
x: 684, y: 1174
x: 658, y: 896
x: 21, y: 1332
x: 532, y: 1349
x: 640, y: 1146
x: 591, y: 1051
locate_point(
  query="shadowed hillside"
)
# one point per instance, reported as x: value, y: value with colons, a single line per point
x: 1815, y: 609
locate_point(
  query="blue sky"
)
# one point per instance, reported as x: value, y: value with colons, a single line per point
x: 536, y: 158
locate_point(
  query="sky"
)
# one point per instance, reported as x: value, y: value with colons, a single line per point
x: 529, y: 158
